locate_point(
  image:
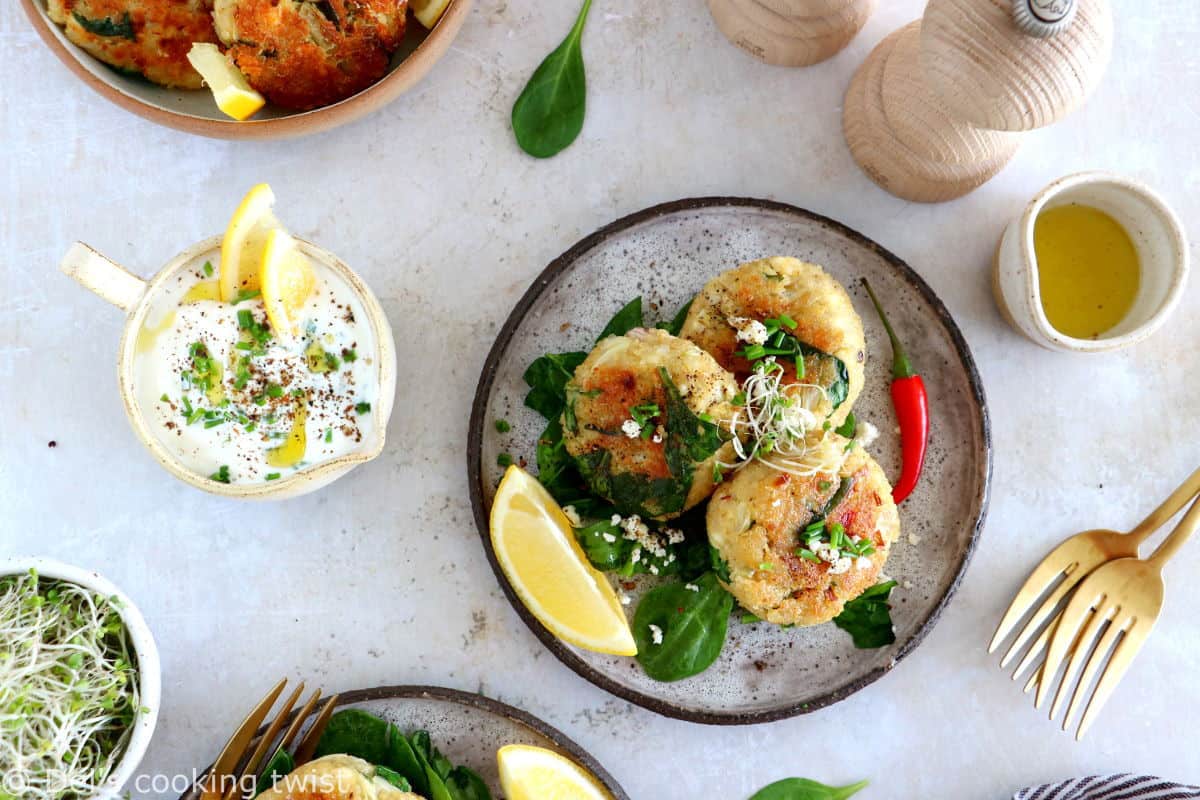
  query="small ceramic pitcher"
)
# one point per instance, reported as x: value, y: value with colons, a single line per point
x: 137, y: 297
x: 1156, y: 233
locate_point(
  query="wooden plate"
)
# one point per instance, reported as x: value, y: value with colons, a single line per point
x: 666, y: 254
x: 194, y: 111
x: 467, y: 728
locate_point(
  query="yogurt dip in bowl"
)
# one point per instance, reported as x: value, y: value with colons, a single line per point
x: 228, y: 405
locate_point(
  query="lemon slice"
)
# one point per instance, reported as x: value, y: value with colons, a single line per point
x: 535, y: 773
x: 286, y: 280
x: 245, y: 238
x: 548, y: 570
x: 428, y: 12
x: 233, y: 94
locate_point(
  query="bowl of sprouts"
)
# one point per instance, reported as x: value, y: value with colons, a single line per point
x: 80, y: 683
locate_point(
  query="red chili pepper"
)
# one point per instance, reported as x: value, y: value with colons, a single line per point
x: 912, y: 409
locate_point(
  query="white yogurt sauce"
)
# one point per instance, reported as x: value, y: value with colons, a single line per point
x: 236, y: 404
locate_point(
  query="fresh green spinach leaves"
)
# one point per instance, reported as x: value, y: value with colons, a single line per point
x: 547, y: 379
x: 413, y: 760
x: 868, y: 619
x: 804, y: 789
x: 680, y: 627
x: 676, y: 324
x: 549, y: 113
x: 629, y: 317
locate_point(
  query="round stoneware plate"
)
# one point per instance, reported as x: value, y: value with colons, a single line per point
x: 194, y: 111
x: 467, y: 728
x: 666, y: 254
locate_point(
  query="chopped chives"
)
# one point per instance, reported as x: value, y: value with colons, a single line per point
x: 272, y: 476
x: 504, y: 460
x: 274, y: 390
x: 349, y: 355
x: 362, y: 408
x: 208, y: 269
x: 329, y: 434
x: 502, y: 426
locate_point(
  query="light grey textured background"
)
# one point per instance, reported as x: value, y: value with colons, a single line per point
x: 380, y: 578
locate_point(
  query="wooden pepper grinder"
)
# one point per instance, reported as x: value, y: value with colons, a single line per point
x: 791, y: 33
x: 937, y: 107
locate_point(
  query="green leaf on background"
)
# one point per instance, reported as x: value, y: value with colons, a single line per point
x: 629, y: 317
x: 549, y: 113
x: 804, y: 789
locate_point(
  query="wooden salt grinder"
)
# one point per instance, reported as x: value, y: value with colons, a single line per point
x: 791, y: 33
x: 938, y: 106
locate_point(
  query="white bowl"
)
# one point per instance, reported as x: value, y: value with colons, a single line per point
x: 149, y: 668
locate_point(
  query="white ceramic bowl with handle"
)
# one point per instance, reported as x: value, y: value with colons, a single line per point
x: 148, y: 666
x: 1157, y: 235
x: 138, y: 297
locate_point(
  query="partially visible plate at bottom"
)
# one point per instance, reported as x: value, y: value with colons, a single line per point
x: 666, y: 254
x: 467, y: 728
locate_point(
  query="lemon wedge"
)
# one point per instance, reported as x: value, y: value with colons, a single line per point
x: 245, y: 238
x: 233, y: 94
x: 548, y: 570
x: 428, y: 12
x: 286, y: 279
x: 535, y: 773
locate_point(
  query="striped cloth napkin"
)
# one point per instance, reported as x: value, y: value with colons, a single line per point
x: 1111, y: 787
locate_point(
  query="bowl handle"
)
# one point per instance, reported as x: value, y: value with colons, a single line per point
x: 103, y: 276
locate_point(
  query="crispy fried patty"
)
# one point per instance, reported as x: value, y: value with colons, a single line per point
x: 663, y: 465
x: 767, y: 289
x: 756, y: 520
x: 147, y: 37
x: 302, y: 54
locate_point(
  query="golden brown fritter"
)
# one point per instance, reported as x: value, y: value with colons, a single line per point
x: 755, y: 521
x: 148, y: 37
x: 662, y: 465
x: 766, y: 289
x: 304, y: 54
x: 335, y: 777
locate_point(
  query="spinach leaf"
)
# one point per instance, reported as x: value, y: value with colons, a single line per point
x: 547, y: 378
x: 844, y: 487
x: 107, y: 26
x: 280, y: 766
x: 464, y: 784
x: 556, y: 468
x: 676, y: 324
x: 804, y: 789
x: 549, y: 113
x: 402, y: 759
x: 868, y: 619
x: 826, y: 370
x: 609, y: 551
x: 433, y: 764
x: 394, y: 778
x: 634, y: 493
x: 847, y: 428
x: 625, y: 320
x: 693, y: 626
x: 355, y: 733
x: 720, y: 566
x: 689, y: 439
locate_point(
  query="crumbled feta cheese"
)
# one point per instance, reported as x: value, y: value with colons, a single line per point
x: 750, y: 331
x: 843, y: 564
x: 653, y: 570
x: 616, y: 519
x: 656, y: 634
x: 624, y: 598
x: 907, y: 584
x: 608, y: 537
x: 631, y: 429
x: 914, y: 539
x: 691, y: 587
x: 637, y: 555
x: 674, y: 535
x: 863, y: 562
x: 865, y: 434
x: 572, y: 516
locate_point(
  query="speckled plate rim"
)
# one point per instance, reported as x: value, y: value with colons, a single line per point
x: 481, y: 703
x: 475, y: 466
x: 396, y: 82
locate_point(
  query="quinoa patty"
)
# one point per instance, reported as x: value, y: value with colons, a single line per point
x: 147, y: 37
x: 647, y: 420
x: 304, y: 54
x: 757, y: 521
x: 736, y: 302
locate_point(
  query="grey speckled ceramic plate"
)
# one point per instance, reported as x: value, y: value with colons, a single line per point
x: 467, y: 728
x: 666, y: 254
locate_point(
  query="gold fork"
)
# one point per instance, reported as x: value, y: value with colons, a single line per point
x: 1072, y: 561
x: 1123, y: 598
x: 224, y: 779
